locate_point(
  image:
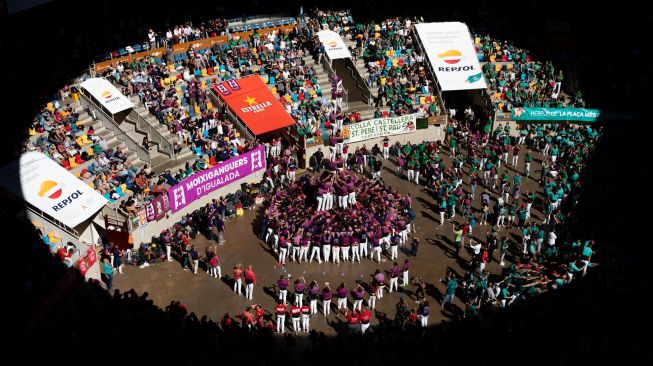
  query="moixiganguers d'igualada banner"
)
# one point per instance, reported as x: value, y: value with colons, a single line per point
x: 202, y: 183
x: 555, y: 114
x: 379, y: 127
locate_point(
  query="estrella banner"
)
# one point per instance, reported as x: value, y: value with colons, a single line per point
x: 380, y: 127
x: 556, y: 114
x: 452, y: 55
x: 207, y: 181
x: 254, y: 104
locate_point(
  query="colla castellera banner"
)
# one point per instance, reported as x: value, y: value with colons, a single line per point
x: 202, y: 183
x: 556, y: 114
x: 379, y: 127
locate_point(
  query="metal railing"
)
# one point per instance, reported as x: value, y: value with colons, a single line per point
x: 35, y: 210
x: 118, y: 133
x: 438, y: 88
x: 142, y: 125
x: 365, y: 90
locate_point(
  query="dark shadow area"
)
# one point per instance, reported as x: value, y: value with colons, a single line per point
x: 595, y: 319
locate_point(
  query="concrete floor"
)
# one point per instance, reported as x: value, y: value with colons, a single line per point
x: 213, y: 297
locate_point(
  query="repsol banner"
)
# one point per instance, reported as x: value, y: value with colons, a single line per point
x: 207, y: 181
x: 452, y: 55
x: 52, y: 189
x: 379, y: 127
x: 555, y: 114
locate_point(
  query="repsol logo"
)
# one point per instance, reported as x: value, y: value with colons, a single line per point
x: 66, y: 201
x: 455, y: 68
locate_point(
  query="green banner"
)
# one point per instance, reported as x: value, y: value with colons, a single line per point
x: 555, y: 114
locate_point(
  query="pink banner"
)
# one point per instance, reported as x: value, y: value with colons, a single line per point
x: 202, y: 183
x: 157, y: 208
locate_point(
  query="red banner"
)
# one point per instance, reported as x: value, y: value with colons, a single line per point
x: 254, y: 104
x: 90, y: 257
x: 82, y: 266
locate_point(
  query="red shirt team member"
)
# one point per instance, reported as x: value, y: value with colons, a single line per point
x: 250, y: 280
x: 295, y: 313
x: 306, y: 317
x: 280, y: 310
x: 365, y: 317
x: 238, y: 282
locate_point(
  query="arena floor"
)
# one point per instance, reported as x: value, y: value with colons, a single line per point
x: 213, y: 297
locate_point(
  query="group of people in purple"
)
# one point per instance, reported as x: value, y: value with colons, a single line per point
x: 336, y: 216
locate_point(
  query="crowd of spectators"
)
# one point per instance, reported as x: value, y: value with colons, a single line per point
x: 395, y: 68
x: 516, y: 80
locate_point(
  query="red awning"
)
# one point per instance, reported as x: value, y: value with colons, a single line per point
x: 254, y: 104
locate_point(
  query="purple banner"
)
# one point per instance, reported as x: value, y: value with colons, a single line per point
x: 220, y: 175
x: 157, y: 208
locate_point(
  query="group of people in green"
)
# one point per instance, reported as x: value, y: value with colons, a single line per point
x: 480, y: 179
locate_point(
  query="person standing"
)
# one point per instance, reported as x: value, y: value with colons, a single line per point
x: 108, y: 273
x: 250, y: 280
x: 238, y: 282
x: 341, y: 292
x: 394, y: 244
x: 358, y: 293
x: 306, y: 318
x: 503, y: 249
x: 374, y: 288
x: 353, y: 321
x: 450, y: 294
x: 214, y: 263
x: 326, y: 245
x: 195, y: 257
x: 424, y: 313
x: 394, y: 277
x: 386, y: 147
x: 379, y: 278
x: 219, y: 225
x: 117, y: 259
x: 315, y: 249
x: 283, y: 249
x: 402, y: 312
x: 458, y: 237
x: 365, y: 317
x: 300, y: 286
x: 327, y: 294
x: 404, y: 271
x: 295, y: 315
x: 515, y: 155
x: 283, y: 288
x: 280, y: 311
x: 483, y: 260
x: 313, y: 292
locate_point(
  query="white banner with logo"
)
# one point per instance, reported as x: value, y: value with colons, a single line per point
x: 107, y: 95
x: 51, y: 188
x: 380, y: 127
x: 452, y: 55
x: 334, y: 46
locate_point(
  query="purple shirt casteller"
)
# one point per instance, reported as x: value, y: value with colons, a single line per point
x: 359, y: 293
x: 299, y: 287
x: 342, y: 292
x: 283, y: 284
